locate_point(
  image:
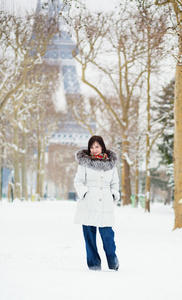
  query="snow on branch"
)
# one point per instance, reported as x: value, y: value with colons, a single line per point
x: 39, y: 59
x: 14, y: 147
x: 126, y: 157
x: 160, y: 119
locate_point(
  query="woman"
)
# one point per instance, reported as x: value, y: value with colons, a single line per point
x: 96, y: 183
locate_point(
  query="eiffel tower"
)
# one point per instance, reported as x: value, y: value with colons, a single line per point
x: 60, y: 53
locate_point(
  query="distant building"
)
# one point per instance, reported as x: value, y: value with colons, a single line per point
x: 60, y: 53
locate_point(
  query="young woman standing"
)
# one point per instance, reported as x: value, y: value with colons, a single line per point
x: 96, y: 183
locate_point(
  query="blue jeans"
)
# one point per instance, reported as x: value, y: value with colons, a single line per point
x: 107, y: 236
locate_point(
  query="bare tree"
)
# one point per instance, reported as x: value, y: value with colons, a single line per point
x: 24, y: 43
x: 40, y: 89
x: 44, y: 120
x: 173, y: 10
x: 148, y: 21
x: 83, y: 110
x: 110, y: 49
x: 25, y: 40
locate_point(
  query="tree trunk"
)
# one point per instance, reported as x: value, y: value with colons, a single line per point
x: 136, y: 180
x: 10, y: 192
x: 147, y: 184
x: 147, y: 187
x: 137, y: 158
x: 60, y: 191
x: 126, y: 186
x: 38, y: 163
x: 42, y: 167
x: 17, y: 193
x: 31, y: 184
x: 126, y: 168
x: 65, y: 187
x: 178, y: 139
x: 120, y: 169
x: 0, y: 174
x: 24, y: 166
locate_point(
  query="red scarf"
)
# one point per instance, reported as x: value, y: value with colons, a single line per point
x: 100, y: 156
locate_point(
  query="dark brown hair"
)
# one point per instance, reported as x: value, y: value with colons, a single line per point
x: 98, y: 139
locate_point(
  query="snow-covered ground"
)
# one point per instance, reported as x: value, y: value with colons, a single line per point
x: 42, y: 255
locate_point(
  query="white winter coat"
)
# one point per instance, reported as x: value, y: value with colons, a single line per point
x: 97, y: 184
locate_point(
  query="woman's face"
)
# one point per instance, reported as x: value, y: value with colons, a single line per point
x: 96, y: 148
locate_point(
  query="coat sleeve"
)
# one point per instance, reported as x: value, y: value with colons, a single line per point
x: 115, y: 185
x: 79, y: 182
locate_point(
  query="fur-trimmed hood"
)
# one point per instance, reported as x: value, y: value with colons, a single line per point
x: 84, y: 159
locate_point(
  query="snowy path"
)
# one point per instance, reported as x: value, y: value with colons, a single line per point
x: 42, y: 255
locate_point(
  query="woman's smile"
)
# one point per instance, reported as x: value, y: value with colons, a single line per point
x: 96, y: 148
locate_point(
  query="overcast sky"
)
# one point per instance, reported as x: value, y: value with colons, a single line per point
x: 21, y: 5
